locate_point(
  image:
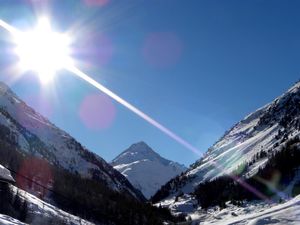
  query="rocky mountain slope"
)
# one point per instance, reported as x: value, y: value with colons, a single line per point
x: 20, y: 204
x: 49, y: 164
x: 245, y: 148
x: 145, y: 169
x: 41, y: 212
x: 34, y: 134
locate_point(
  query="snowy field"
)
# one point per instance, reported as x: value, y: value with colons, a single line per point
x: 251, y: 213
x: 287, y: 213
x: 43, y: 213
x: 6, y: 220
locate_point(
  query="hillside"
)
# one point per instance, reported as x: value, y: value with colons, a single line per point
x: 250, y: 152
x: 48, y: 163
x: 36, y: 135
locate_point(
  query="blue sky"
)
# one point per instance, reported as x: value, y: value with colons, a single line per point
x: 198, y: 67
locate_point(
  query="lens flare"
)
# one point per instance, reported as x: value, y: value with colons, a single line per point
x: 35, y: 176
x: 162, y: 49
x: 96, y: 2
x: 243, y: 183
x: 71, y: 68
x: 97, y: 111
x: 132, y: 108
x: 41, y: 49
x: 8, y: 27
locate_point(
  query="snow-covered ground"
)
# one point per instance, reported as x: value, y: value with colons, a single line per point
x: 252, y: 213
x: 39, y: 211
x: 42, y: 212
x: 7, y: 220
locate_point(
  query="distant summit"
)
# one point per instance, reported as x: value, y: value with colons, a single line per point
x: 146, y: 169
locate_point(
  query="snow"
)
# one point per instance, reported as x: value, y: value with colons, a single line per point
x: 5, y: 174
x: 40, y: 209
x: 7, y: 220
x: 255, y: 213
x: 255, y: 133
x: 43, y: 211
x: 184, y: 204
x: 233, y: 153
x: 60, y: 148
x: 240, y: 145
x: 145, y: 169
x: 250, y: 213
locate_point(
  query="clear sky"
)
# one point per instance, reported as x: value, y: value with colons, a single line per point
x: 196, y: 66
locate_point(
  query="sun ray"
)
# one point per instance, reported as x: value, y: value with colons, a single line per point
x: 162, y: 128
x: 74, y: 70
x: 41, y: 50
x: 9, y: 28
x: 135, y: 110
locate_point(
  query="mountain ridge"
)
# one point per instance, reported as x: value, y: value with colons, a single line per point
x: 140, y: 160
x: 249, y: 141
x: 36, y: 135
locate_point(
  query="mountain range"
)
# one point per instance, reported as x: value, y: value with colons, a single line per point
x: 258, y: 154
x: 257, y: 159
x: 36, y: 135
x: 49, y: 163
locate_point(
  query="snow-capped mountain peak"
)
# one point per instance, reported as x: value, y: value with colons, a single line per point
x: 139, y: 151
x: 139, y: 159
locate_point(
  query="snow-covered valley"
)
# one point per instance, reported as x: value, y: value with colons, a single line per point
x: 55, y: 177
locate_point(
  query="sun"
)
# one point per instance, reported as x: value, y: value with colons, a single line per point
x: 42, y: 50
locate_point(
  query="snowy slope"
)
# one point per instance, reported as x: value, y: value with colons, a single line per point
x: 145, y: 169
x: 36, y: 135
x: 255, y: 213
x: 264, y: 130
x: 41, y: 212
x: 7, y: 220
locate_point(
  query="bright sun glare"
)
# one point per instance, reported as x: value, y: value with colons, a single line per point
x: 45, y: 51
x: 42, y: 50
